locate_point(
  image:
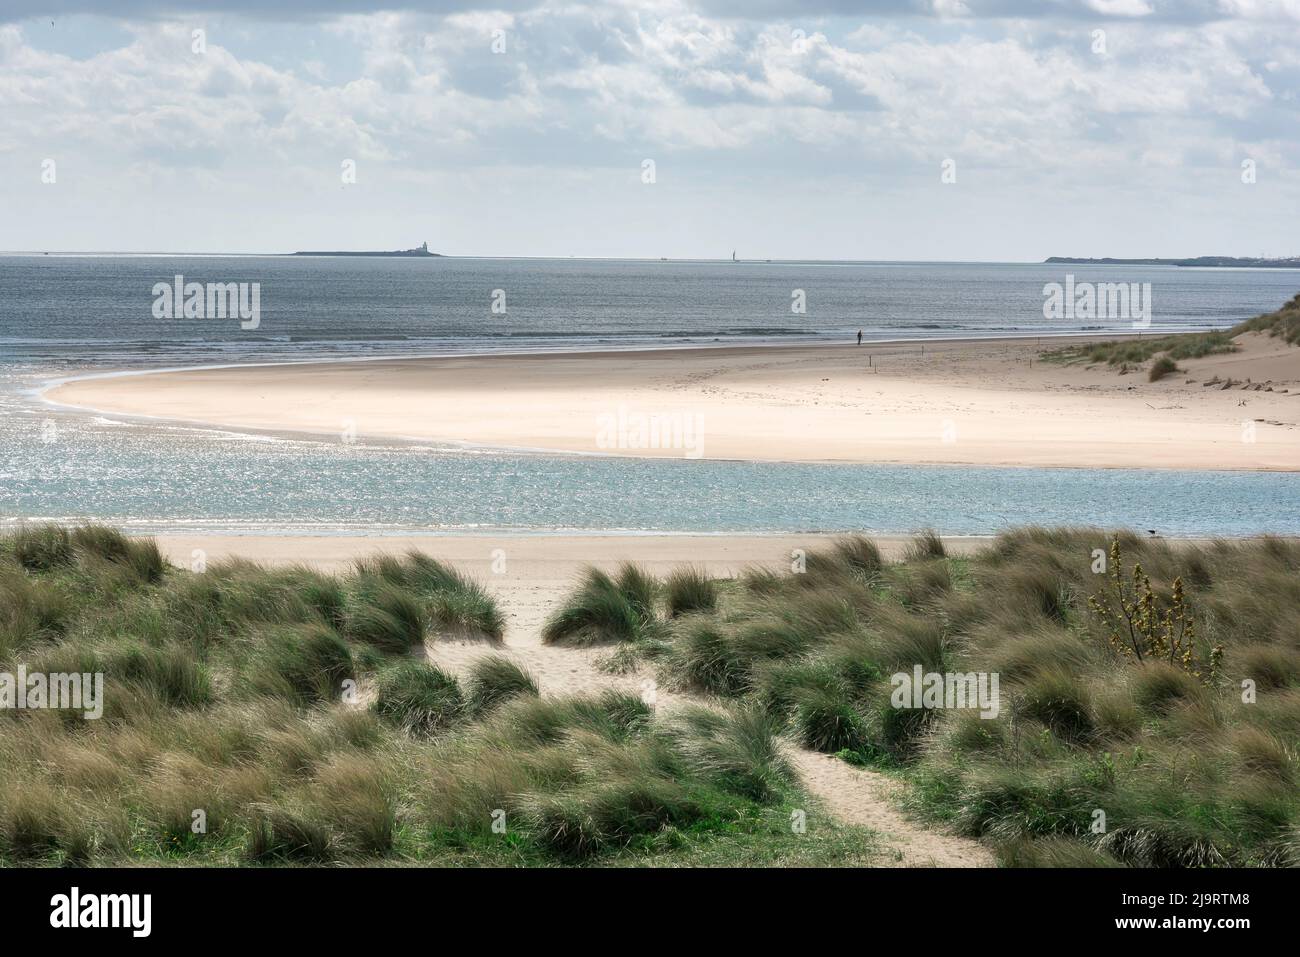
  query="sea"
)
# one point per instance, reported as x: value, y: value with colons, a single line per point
x: 69, y: 315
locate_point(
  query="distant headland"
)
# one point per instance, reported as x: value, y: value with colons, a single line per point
x: 421, y: 250
x: 1292, y: 262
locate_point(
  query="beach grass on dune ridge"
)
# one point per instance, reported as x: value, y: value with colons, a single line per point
x: 1283, y: 324
x: 1164, y: 352
x: 1167, y: 743
x: 1135, y: 351
x: 258, y: 715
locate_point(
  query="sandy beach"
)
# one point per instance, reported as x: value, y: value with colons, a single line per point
x: 975, y: 402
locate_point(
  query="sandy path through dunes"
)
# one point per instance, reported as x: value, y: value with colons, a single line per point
x: 540, y: 571
x: 853, y: 795
x: 559, y: 669
x: 859, y: 796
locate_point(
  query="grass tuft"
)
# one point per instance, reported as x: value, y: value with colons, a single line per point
x: 1161, y: 367
x: 308, y: 663
x: 41, y: 547
x: 690, y: 589
x: 419, y: 697
x: 495, y: 680
x: 385, y: 615
x: 605, y: 609
x: 928, y: 544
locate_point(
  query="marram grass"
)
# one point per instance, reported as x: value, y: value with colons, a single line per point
x: 307, y: 732
x: 283, y: 716
x: 1185, y: 755
x: 1180, y: 754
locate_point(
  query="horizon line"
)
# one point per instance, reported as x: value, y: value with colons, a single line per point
x: 1172, y: 261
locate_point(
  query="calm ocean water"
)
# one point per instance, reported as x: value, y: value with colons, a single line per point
x: 63, y: 316
x: 97, y: 309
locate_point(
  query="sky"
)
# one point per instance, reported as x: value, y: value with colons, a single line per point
x: 1003, y: 130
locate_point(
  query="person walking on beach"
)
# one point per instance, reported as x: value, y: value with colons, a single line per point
x: 859, y: 337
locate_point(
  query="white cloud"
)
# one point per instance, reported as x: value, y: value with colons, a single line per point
x: 585, y: 93
x: 1121, y: 8
x: 1260, y: 9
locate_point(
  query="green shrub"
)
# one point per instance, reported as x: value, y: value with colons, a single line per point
x: 737, y: 752
x: 140, y: 555
x: 350, y: 794
x: 761, y: 581
x: 323, y: 593
x: 1187, y: 773
x: 900, y: 640
x: 35, y: 824
x: 1135, y: 351
x: 928, y: 544
x: 1259, y: 752
x: 690, y: 589
x: 1269, y: 666
x: 1058, y: 699
x: 604, y: 609
x: 921, y: 582
x: 900, y: 731
x: 494, y: 680
x: 530, y: 722
x: 444, y: 597
x: 1058, y: 852
x: 612, y: 813
x: 467, y: 610
x: 31, y: 609
x: 42, y: 547
x: 1160, y: 368
x: 626, y: 713
x: 639, y: 588
x: 703, y: 657
x: 1037, y: 589
x: 285, y: 834
x: 1017, y: 651
x: 1158, y: 686
x: 859, y: 554
x: 386, y: 616
x: 308, y: 663
x: 170, y: 674
x: 235, y: 595
x: 827, y: 721
x: 968, y: 731
x: 419, y: 697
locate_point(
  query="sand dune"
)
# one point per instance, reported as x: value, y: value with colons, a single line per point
x: 973, y: 402
x: 538, y: 573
